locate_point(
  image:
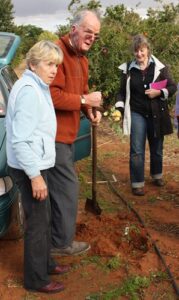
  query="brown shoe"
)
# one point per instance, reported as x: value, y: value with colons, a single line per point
x: 52, y: 288
x: 60, y: 269
x: 158, y: 182
x: 138, y: 191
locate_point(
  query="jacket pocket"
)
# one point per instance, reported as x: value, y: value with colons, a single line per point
x: 37, y: 146
x: 165, y: 119
x: 49, y: 148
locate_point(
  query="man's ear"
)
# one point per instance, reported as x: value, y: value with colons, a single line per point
x: 73, y: 28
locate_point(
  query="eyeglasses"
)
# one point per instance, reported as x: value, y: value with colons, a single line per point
x: 89, y: 33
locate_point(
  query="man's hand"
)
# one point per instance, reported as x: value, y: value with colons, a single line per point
x: 39, y: 188
x: 94, y: 119
x: 152, y: 93
x: 93, y: 99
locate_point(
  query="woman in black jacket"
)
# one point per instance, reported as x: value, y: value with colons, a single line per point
x: 145, y: 87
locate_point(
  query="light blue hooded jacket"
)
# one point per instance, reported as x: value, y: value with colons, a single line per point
x: 30, y: 126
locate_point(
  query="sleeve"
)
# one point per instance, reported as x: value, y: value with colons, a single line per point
x: 63, y: 100
x: 171, y: 85
x: 177, y: 103
x: 24, y: 123
x: 121, y: 95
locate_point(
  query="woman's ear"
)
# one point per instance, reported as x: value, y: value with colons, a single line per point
x: 32, y: 67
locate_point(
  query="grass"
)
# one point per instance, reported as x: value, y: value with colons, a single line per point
x: 110, y: 154
x: 106, y: 264
x: 91, y: 260
x: 108, y: 206
x: 85, y: 192
x: 152, y: 199
x: 114, y: 263
x: 131, y: 287
x: 115, y: 126
x: 31, y: 297
x: 159, y: 276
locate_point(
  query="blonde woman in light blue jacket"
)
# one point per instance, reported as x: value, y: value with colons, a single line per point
x: 31, y: 130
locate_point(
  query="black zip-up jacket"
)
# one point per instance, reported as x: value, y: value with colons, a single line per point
x: 157, y: 108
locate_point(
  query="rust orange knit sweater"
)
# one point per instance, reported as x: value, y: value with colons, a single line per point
x: 69, y: 84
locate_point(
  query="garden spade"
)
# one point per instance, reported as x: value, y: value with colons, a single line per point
x: 92, y: 205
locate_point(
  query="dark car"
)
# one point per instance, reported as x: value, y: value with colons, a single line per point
x: 11, y: 212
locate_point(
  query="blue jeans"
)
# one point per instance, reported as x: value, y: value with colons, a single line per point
x: 142, y: 129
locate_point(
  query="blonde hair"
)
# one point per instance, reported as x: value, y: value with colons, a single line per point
x: 44, y: 50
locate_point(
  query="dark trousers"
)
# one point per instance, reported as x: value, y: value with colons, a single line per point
x: 37, y: 238
x: 63, y: 186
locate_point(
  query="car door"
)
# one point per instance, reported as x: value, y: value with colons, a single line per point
x: 11, y: 213
x: 9, y: 43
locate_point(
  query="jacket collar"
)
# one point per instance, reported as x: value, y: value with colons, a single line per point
x: 66, y: 40
x: 152, y: 59
x: 133, y: 64
x: 28, y: 73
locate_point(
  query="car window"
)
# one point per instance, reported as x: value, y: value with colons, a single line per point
x: 2, y: 103
x: 6, y: 42
x: 9, y: 76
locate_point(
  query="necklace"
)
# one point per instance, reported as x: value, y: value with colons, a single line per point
x: 144, y: 72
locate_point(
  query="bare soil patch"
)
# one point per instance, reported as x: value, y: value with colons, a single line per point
x: 121, y: 263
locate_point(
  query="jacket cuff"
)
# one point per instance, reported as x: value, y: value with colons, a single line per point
x: 164, y: 94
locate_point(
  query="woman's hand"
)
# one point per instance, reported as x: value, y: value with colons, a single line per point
x: 152, y: 93
x: 39, y: 188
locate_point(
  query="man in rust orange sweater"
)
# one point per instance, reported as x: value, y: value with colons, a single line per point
x: 70, y: 95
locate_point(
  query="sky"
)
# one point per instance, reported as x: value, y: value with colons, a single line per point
x: 50, y: 13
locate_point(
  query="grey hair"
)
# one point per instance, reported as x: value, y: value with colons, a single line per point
x: 80, y: 15
x: 44, y: 50
x: 140, y: 40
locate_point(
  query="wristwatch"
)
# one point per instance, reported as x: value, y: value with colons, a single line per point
x: 83, y: 100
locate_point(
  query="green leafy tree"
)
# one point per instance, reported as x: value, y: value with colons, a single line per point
x: 47, y: 35
x: 119, y: 25
x: 162, y: 28
x: 76, y: 5
x: 62, y: 30
x: 6, y: 15
x: 114, y: 48
x: 73, y: 7
x: 29, y: 35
